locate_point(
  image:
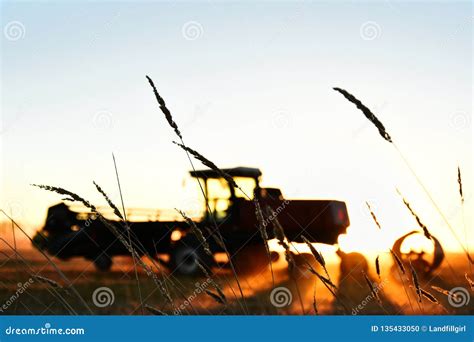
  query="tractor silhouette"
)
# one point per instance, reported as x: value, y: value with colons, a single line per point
x: 69, y: 233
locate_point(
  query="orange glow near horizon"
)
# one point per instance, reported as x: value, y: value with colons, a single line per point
x: 362, y: 235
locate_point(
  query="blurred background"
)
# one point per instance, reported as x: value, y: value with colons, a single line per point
x: 249, y: 84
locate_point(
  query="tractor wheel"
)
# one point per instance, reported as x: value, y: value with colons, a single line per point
x: 184, y: 259
x: 103, y: 263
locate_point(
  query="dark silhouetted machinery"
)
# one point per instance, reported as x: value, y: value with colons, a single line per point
x: 70, y: 233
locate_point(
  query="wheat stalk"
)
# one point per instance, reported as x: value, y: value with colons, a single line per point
x: 53, y: 290
x: 372, y: 288
x: 134, y: 246
x: 213, y: 283
x: 373, y: 215
x: 315, y: 306
x: 109, y: 201
x: 417, y: 218
x: 398, y: 261
x: 47, y: 281
x: 50, y: 261
x: 470, y: 281
x: 154, y: 311
x: 197, y: 232
x: 317, y: 255
x: 164, y: 109
x: 279, y: 233
x: 214, y: 296
x: 429, y: 296
x: 416, y: 282
x: 216, y: 237
x: 76, y: 198
x: 124, y: 219
x: 377, y: 266
x: 174, y: 126
x: 460, y: 185
x: 447, y: 293
x: 441, y: 290
x: 367, y: 112
x: 171, y: 122
x: 72, y: 197
x: 323, y: 279
x: 402, y: 272
x: 208, y: 163
x: 263, y: 233
x: 371, y: 116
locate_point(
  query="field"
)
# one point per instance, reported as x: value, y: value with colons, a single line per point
x: 296, y: 283
x: 296, y: 293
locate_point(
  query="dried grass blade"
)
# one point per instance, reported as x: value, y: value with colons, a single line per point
x: 398, y: 261
x: 315, y: 306
x: 208, y: 163
x: 164, y: 109
x: 262, y: 227
x: 109, y: 201
x: 372, y: 288
x: 416, y: 283
x: 417, y: 218
x: 440, y: 290
x: 460, y: 185
x: 429, y: 296
x: 197, y: 232
x: 154, y: 310
x: 216, y: 297
x: 213, y: 282
x: 373, y: 215
x: 317, y: 255
x: 470, y: 281
x: 377, y: 266
x: 367, y: 112
x: 50, y: 282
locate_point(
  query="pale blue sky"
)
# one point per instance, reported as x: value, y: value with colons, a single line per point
x: 254, y: 88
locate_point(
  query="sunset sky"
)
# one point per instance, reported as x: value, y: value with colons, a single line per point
x: 249, y: 84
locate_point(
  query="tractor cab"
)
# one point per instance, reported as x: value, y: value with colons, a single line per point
x: 222, y: 198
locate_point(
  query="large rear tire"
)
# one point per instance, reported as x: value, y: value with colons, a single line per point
x: 103, y: 263
x: 185, y: 256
